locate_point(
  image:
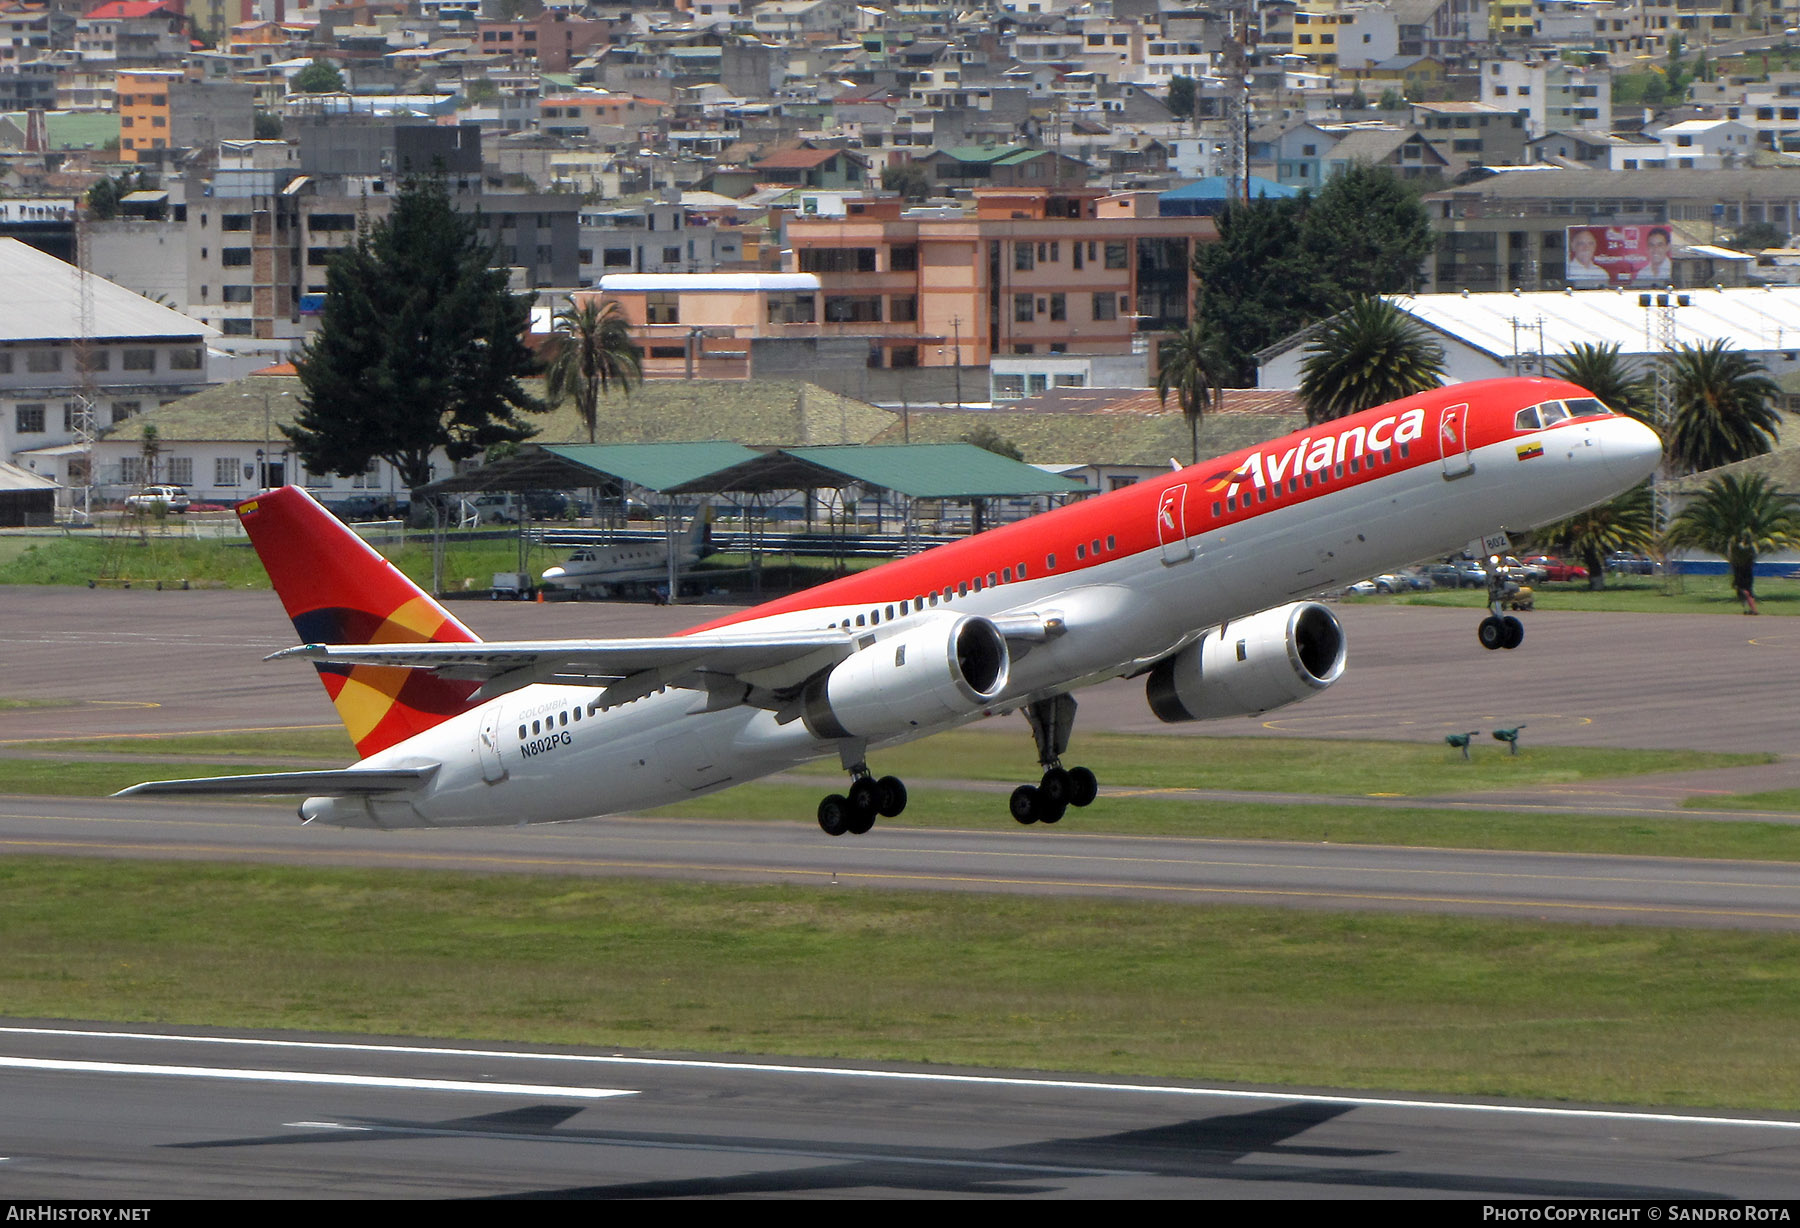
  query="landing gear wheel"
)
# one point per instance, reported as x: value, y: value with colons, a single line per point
x: 1056, y: 787
x: 1023, y: 804
x: 1084, y: 787
x: 1492, y: 633
x: 1513, y: 632
x: 861, y: 821
x: 1049, y: 811
x: 893, y: 796
x: 834, y: 815
x: 865, y: 795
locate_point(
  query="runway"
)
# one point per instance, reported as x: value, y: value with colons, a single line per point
x: 107, y: 1113
x: 142, y: 1114
x: 1070, y: 859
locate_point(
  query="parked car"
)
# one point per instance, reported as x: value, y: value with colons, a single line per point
x: 1362, y: 588
x: 1444, y: 575
x: 363, y: 507
x: 1629, y: 563
x: 159, y: 498
x: 1555, y: 570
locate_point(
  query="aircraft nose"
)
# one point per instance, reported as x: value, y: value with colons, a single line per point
x: 553, y: 573
x: 1632, y: 451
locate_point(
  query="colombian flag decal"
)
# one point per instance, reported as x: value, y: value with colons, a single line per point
x: 247, y: 509
x: 1531, y: 451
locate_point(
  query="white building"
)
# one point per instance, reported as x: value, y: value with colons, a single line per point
x: 139, y: 355
x: 1552, y: 95
x: 1486, y: 336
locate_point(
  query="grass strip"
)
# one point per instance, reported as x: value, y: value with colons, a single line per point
x: 325, y: 742
x: 1452, y: 1005
x: 931, y: 807
x: 1774, y: 799
x: 1325, y: 766
x: 1625, y: 595
x: 1285, y: 765
x: 74, y: 778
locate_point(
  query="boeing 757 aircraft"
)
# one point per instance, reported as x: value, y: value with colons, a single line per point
x: 1195, y: 581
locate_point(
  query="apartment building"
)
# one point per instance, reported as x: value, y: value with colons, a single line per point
x: 1510, y: 231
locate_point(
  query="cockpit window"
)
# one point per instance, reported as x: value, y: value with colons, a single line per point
x: 1527, y: 420
x: 1552, y: 412
x: 1586, y: 407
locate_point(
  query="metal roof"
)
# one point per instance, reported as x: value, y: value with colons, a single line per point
x: 1756, y: 319
x: 42, y: 302
x: 919, y: 471
x: 652, y: 466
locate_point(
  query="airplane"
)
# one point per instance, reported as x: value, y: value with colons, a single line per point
x: 1197, y: 581
x: 598, y: 568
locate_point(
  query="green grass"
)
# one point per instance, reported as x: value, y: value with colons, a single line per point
x: 1287, y: 765
x: 1619, y: 1015
x: 11, y: 704
x: 208, y: 563
x: 66, y: 778
x: 1774, y: 799
x: 1303, y: 822
x: 324, y: 742
x: 1627, y: 595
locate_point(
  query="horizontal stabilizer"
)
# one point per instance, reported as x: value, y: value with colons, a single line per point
x: 348, y: 781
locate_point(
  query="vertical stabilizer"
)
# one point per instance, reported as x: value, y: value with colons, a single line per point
x: 338, y: 590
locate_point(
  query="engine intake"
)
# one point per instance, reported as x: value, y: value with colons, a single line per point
x: 1262, y: 662
x: 943, y: 668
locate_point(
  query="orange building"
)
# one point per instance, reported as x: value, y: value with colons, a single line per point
x: 145, y: 116
x: 1026, y: 271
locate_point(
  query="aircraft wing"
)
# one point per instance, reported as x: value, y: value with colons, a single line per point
x: 307, y: 784
x: 768, y: 660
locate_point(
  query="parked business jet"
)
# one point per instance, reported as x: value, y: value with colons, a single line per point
x: 1195, y: 581
x: 599, y: 568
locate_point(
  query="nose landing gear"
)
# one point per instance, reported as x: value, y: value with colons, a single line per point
x: 1498, y: 629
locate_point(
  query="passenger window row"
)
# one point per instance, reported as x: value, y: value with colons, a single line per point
x: 1294, y: 484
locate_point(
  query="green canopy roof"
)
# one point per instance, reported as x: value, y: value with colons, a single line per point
x: 652, y: 466
x: 920, y: 471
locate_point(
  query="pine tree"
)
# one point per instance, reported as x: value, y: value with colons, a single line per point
x: 421, y: 347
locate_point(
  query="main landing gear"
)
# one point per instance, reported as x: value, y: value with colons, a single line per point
x: 1499, y: 630
x: 867, y: 799
x: 1051, y: 721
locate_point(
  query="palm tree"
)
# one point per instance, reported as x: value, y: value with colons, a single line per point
x: 1367, y: 355
x: 1724, y: 407
x: 1192, y: 364
x: 594, y: 351
x: 1740, y: 518
x: 1600, y: 370
x: 1625, y: 523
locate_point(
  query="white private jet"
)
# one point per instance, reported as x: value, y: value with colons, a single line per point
x: 1195, y: 580
x: 600, y: 568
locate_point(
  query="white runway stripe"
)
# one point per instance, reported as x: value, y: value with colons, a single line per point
x: 311, y: 1077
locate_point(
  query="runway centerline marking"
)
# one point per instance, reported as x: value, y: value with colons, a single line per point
x: 244, y: 1075
x: 922, y: 1076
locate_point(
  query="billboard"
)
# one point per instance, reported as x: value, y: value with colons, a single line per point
x: 1617, y: 256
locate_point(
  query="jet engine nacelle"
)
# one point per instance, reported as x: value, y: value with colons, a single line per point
x: 943, y: 668
x: 1255, y: 664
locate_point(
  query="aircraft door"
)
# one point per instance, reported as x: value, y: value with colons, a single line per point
x: 487, y: 745
x: 1453, y: 441
x: 1171, y: 525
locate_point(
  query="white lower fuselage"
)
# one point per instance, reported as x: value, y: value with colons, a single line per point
x: 1119, y: 615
